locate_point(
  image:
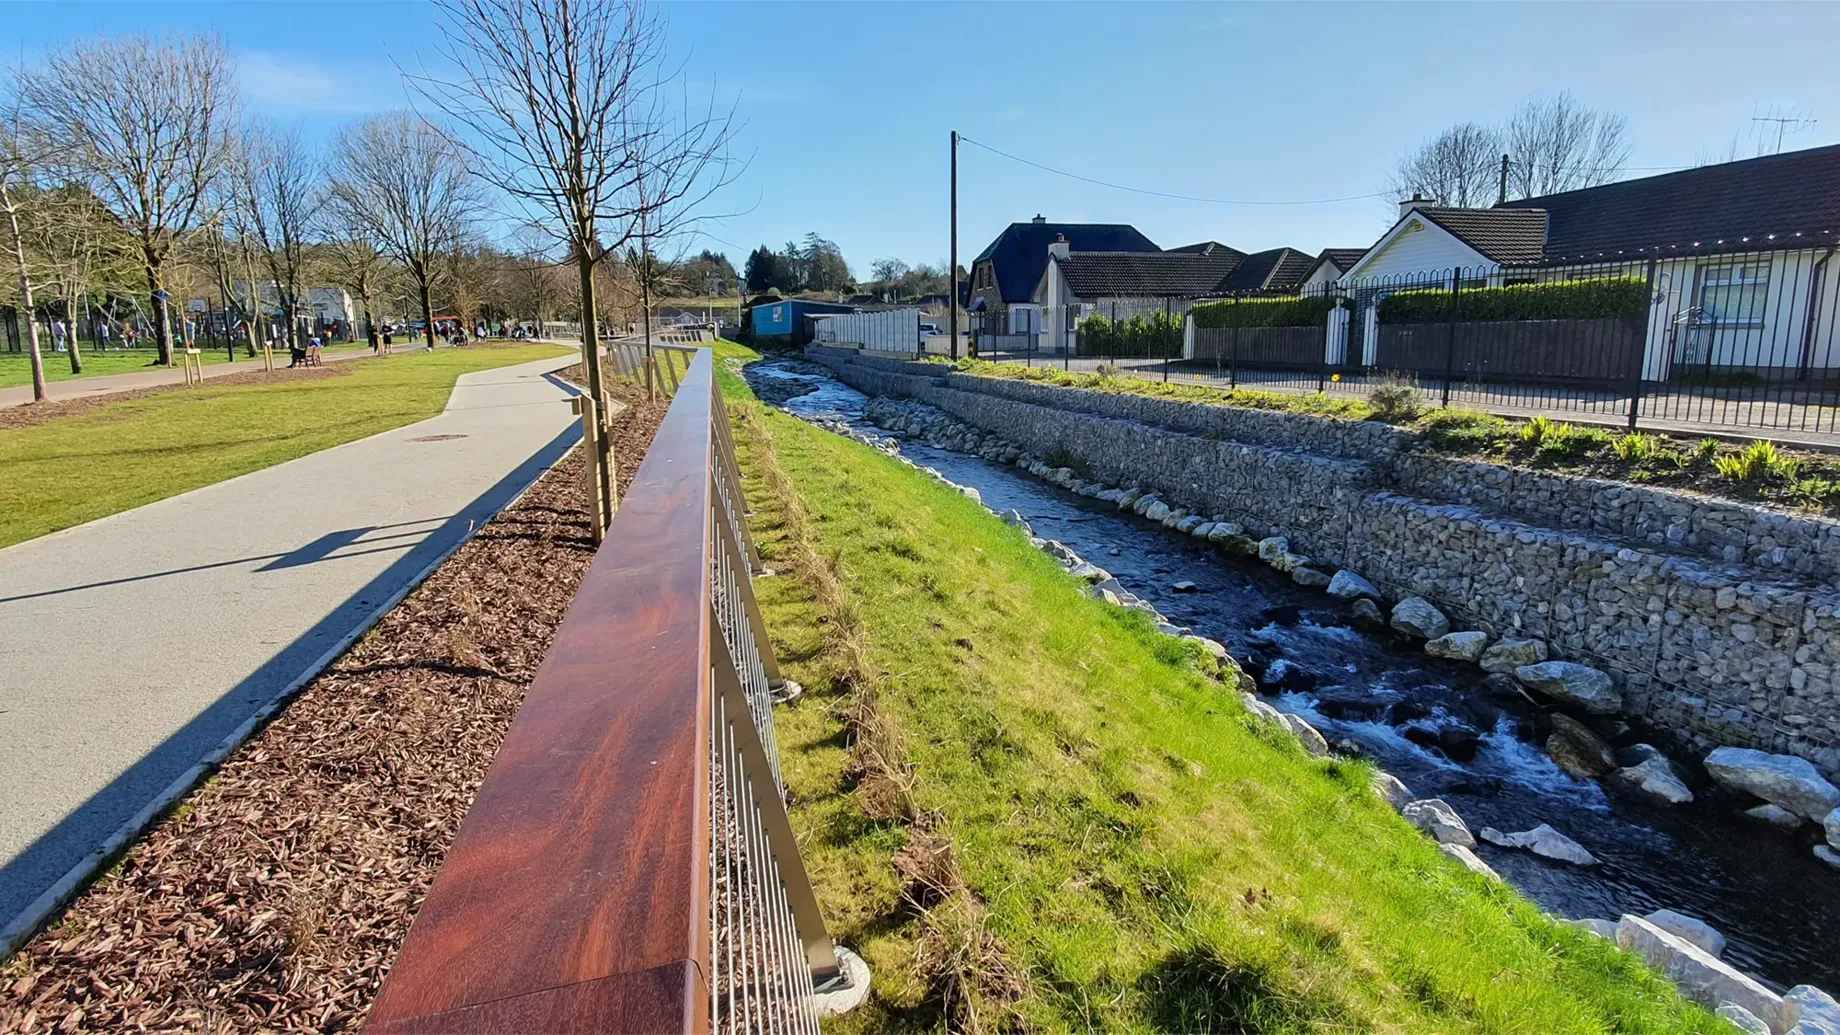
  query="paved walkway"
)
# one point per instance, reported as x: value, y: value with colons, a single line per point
x: 152, y: 377
x: 132, y: 646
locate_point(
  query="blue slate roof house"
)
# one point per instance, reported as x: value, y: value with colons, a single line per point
x: 1006, y: 272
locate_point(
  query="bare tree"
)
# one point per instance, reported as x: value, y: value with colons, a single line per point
x: 359, y: 266
x: 562, y: 98
x: 24, y: 149
x: 1558, y: 144
x: 149, y: 125
x: 404, y: 182
x: 1459, y: 167
x: 283, y: 189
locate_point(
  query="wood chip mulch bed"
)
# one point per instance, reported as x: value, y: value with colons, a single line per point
x: 275, y: 897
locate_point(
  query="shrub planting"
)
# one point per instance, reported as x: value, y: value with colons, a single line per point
x: 1612, y: 297
x: 1144, y: 336
x: 1264, y: 312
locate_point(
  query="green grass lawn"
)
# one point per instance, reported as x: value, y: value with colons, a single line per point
x: 1140, y: 853
x: 16, y: 367
x: 122, y: 455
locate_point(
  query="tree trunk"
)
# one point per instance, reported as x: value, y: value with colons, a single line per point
x: 39, y: 391
x: 70, y: 333
x: 421, y: 284
x: 591, y: 365
x: 162, y: 331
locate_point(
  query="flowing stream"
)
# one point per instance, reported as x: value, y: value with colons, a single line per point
x: 1428, y: 722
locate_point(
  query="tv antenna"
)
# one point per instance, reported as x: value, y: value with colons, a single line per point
x: 1782, y: 120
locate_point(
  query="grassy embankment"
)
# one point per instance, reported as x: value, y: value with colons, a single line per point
x: 1759, y: 471
x: 16, y: 367
x: 121, y: 455
x: 1029, y: 810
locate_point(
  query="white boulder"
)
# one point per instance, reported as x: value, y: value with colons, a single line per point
x: 1366, y: 612
x: 1827, y: 855
x: 1415, y: 616
x: 1435, y: 817
x: 1470, y: 860
x: 1306, y: 734
x: 1225, y: 530
x: 1831, y: 826
x: 1794, y: 783
x: 1653, y: 779
x: 1700, y: 976
x: 1544, y: 841
x: 1273, y: 547
x: 1391, y: 788
x: 1601, y: 928
x: 1309, y: 578
x: 1573, y: 683
x: 1090, y: 572
x: 1815, y: 1012
x: 1693, y: 929
x: 1188, y: 524
x: 1346, y: 585
x: 1742, y: 1019
x: 1776, y: 816
x: 1508, y: 655
x: 1157, y: 511
x: 1463, y: 646
x: 1261, y: 709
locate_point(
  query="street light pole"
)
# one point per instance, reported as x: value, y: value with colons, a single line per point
x: 955, y: 246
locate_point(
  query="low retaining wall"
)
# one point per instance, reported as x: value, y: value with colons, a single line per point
x: 1719, y: 618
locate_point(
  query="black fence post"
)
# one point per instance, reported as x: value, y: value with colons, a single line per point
x: 1450, y: 338
x: 1322, y: 356
x: 1233, y: 377
x: 1111, y: 355
x: 1066, y: 337
x: 1165, y: 341
x: 1641, y: 350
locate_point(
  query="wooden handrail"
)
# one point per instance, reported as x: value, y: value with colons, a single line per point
x: 576, y: 896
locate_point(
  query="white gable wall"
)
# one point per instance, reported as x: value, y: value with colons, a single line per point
x: 1420, y: 246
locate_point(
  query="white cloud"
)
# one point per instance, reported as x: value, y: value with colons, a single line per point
x: 292, y: 84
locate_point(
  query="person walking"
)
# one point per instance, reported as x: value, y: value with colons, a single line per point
x: 102, y: 335
x: 57, y: 335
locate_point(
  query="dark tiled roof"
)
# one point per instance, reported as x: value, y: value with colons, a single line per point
x: 1203, y: 247
x: 1174, y: 274
x: 1277, y: 270
x: 1342, y: 258
x: 1020, y: 252
x: 1506, y: 235
x: 1696, y: 209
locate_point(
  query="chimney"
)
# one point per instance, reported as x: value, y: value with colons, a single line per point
x: 1039, y: 218
x: 1059, y: 248
x: 1415, y: 201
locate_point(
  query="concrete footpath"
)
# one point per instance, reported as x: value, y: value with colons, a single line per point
x: 132, y: 646
x: 152, y: 377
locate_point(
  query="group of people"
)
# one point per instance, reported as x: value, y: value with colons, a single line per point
x: 63, y: 334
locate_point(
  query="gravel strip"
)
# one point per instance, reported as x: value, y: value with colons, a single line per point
x: 275, y: 897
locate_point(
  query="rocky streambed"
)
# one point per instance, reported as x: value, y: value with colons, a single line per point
x: 1590, y: 817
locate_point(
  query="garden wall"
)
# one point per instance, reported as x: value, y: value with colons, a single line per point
x: 1719, y: 618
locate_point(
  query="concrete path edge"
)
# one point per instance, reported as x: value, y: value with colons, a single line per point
x: 20, y: 928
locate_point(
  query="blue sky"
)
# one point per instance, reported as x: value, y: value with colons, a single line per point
x: 847, y: 107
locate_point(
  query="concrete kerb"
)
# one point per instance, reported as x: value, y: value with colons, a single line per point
x: 27, y: 923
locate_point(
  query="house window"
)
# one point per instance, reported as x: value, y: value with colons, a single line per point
x: 1733, y: 295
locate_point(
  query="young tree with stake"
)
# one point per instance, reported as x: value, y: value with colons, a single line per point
x: 560, y: 98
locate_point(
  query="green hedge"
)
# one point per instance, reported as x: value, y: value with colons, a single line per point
x: 1616, y: 297
x: 1141, y: 337
x: 1265, y: 312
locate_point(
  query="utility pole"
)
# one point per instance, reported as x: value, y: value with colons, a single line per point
x: 1501, y: 195
x: 955, y: 246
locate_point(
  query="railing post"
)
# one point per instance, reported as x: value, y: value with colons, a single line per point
x: 1450, y: 338
x: 1233, y: 374
x: 820, y: 951
x: 1641, y: 352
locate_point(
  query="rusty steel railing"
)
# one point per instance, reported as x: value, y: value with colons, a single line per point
x: 627, y: 864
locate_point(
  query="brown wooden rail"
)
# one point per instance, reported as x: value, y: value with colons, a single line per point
x: 576, y: 897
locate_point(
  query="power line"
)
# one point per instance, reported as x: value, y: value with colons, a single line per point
x: 1164, y: 194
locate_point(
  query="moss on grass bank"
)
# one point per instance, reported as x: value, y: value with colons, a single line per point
x: 1143, y: 855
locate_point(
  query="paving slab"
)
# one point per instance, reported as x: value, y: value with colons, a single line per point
x: 132, y: 646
